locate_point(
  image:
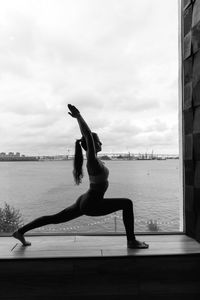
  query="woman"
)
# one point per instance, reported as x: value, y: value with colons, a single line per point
x: 92, y: 203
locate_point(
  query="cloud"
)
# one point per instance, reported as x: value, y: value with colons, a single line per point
x: 110, y: 58
x: 157, y: 126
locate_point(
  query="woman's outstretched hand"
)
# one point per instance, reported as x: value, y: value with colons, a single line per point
x: 74, y: 112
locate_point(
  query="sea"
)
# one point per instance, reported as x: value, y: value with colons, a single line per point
x: 38, y: 188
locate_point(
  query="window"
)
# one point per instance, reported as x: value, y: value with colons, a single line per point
x: 117, y: 61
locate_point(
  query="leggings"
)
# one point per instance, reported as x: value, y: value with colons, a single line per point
x: 85, y: 205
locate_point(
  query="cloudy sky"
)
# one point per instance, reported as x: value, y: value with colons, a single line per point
x: 116, y: 60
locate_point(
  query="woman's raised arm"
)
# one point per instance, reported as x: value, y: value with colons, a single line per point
x: 85, y: 131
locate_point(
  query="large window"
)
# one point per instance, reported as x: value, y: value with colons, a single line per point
x: 117, y: 61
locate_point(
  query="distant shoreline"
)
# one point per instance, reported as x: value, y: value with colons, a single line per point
x: 27, y: 159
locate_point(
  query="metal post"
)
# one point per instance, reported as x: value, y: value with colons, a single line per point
x: 115, y: 220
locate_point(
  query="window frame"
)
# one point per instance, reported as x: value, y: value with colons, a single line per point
x: 182, y: 144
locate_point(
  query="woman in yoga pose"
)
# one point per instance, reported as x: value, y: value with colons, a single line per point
x: 92, y: 203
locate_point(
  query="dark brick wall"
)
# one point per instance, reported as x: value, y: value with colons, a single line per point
x: 191, y: 114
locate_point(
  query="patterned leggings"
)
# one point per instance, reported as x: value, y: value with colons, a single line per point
x: 89, y: 205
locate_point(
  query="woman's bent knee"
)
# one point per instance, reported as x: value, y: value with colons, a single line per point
x: 128, y: 202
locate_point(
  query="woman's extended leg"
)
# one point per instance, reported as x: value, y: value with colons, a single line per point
x: 110, y: 205
x: 65, y: 215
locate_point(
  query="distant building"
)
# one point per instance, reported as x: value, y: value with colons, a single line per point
x: 11, y: 154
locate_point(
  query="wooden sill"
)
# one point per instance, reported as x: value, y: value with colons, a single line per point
x: 100, y: 268
x: 96, y: 246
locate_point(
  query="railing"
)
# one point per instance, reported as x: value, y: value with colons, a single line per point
x: 113, y: 223
x: 11, y: 220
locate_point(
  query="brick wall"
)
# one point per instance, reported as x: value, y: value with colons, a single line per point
x: 191, y: 114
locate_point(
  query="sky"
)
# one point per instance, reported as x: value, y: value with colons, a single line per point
x: 115, y: 60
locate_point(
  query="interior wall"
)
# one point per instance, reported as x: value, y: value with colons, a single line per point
x: 191, y: 114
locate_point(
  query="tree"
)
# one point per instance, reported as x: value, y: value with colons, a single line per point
x: 10, y: 218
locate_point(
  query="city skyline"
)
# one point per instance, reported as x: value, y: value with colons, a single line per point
x: 108, y: 58
x: 71, y: 153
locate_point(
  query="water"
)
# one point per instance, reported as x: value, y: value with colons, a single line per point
x: 42, y: 188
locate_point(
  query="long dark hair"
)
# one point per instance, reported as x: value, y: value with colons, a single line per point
x: 78, y: 163
x: 78, y: 158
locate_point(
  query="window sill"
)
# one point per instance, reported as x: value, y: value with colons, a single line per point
x: 99, y: 267
x: 48, y: 246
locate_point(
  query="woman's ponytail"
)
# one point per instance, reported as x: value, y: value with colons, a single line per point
x: 78, y: 163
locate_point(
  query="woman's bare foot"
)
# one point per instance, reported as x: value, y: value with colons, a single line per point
x: 135, y: 244
x: 20, y: 237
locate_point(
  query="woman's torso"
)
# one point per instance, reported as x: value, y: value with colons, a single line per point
x: 99, y: 177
